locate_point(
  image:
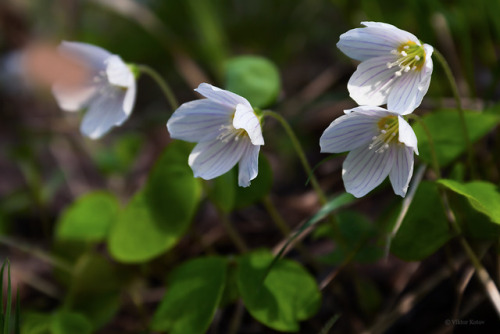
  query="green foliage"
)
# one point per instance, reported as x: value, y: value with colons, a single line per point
x: 287, y: 295
x: 227, y: 195
x: 89, y: 218
x: 356, y: 231
x: 119, y: 155
x: 445, y: 129
x: 425, y: 228
x: 94, y: 290
x: 255, y: 78
x: 60, y: 322
x: 332, y: 205
x: 194, y: 292
x: 483, y: 196
x: 160, y: 214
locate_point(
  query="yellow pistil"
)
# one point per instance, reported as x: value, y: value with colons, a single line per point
x: 411, y: 57
x: 388, y: 134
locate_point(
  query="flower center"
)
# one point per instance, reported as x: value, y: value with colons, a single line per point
x: 388, y: 133
x: 411, y: 57
x: 228, y: 132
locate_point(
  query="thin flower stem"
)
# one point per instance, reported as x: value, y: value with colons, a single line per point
x: 285, y: 229
x: 300, y: 153
x: 235, y: 236
x: 167, y: 91
x: 484, y: 277
x: 435, y: 161
x: 302, y: 157
x: 404, y: 208
x: 458, y: 101
x: 58, y: 263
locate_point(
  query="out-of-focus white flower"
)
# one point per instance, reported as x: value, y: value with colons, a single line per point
x: 380, y: 142
x: 108, y: 92
x: 395, y: 67
x: 226, y: 129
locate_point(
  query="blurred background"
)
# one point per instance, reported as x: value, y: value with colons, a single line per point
x: 45, y: 163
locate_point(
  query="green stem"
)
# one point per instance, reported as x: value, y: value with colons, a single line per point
x: 37, y: 253
x: 435, y: 161
x: 300, y: 153
x: 485, y: 279
x: 461, y: 113
x: 165, y: 88
x: 285, y: 230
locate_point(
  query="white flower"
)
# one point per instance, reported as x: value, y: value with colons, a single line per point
x: 395, y: 66
x: 380, y: 142
x: 108, y: 91
x: 227, y: 132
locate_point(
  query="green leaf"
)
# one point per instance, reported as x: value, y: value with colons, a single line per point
x: 287, y: 295
x: 425, y: 228
x: 194, y: 292
x: 64, y: 322
x: 255, y: 78
x: 89, y: 218
x: 483, y: 196
x: 161, y: 213
x: 445, y: 129
x: 259, y: 187
x: 95, y: 289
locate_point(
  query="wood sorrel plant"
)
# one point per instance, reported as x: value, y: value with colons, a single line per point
x: 215, y: 173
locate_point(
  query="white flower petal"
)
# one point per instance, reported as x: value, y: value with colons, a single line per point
x: 199, y: 120
x: 90, y: 54
x: 407, y: 135
x: 372, y: 111
x: 119, y: 74
x: 372, y: 81
x: 129, y: 100
x: 365, y: 43
x: 364, y: 169
x: 221, y: 96
x: 348, y: 132
x: 402, y: 170
x: 210, y: 159
x: 405, y: 95
x: 248, y: 165
x: 392, y: 32
x: 104, y: 112
x: 73, y: 98
x: 245, y: 118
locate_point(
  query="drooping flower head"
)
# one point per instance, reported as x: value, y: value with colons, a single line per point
x: 108, y: 92
x: 380, y: 142
x: 226, y: 129
x: 395, y: 67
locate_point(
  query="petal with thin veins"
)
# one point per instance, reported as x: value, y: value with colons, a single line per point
x: 199, y: 120
x: 210, y: 159
x: 245, y: 118
x: 405, y: 95
x: 104, y: 112
x: 372, y: 81
x: 221, y: 96
x: 402, y: 170
x: 392, y: 32
x: 364, y: 169
x: 119, y: 74
x: 348, y: 132
x: 249, y: 164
